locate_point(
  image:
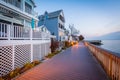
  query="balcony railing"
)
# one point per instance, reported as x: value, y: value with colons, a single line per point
x: 12, y: 32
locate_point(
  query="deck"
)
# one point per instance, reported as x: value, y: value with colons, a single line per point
x: 76, y: 63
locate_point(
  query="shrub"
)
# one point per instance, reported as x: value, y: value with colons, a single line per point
x: 63, y: 48
x: 67, y: 44
x: 54, y: 45
x: 18, y: 71
x: 26, y: 67
x: 36, y: 62
x: 1, y: 78
x: 14, y: 73
x: 52, y: 54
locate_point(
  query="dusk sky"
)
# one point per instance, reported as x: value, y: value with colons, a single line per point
x: 91, y: 17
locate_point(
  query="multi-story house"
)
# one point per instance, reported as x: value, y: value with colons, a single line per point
x: 19, y: 42
x: 55, y: 23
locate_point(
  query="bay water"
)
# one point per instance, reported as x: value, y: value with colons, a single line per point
x: 111, y: 45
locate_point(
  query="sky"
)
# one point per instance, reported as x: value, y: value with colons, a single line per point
x: 91, y: 17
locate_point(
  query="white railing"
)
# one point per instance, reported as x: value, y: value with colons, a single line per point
x: 11, y: 32
x: 3, y: 30
x: 18, y: 32
x: 38, y: 34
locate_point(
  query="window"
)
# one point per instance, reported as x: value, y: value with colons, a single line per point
x: 61, y: 18
x: 14, y: 2
x: 28, y: 8
x: 19, y: 0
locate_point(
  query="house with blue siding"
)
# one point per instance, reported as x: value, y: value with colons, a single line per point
x: 55, y: 23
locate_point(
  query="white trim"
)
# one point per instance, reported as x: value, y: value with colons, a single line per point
x: 20, y: 42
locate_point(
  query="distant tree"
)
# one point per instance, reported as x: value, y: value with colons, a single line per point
x: 81, y: 38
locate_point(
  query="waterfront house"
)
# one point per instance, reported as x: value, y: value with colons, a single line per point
x: 55, y: 23
x: 21, y: 41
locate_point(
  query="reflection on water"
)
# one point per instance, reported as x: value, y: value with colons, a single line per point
x: 112, y: 45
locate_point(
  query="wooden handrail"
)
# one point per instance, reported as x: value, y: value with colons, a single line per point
x: 109, y: 61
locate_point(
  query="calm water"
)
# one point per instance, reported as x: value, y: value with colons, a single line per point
x: 112, y: 45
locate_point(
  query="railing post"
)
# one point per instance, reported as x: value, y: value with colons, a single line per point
x: 8, y: 30
x: 31, y: 31
x: 110, y: 65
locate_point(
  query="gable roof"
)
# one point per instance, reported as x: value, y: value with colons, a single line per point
x: 55, y: 14
x: 51, y: 14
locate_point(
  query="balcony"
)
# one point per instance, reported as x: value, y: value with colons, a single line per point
x: 12, y: 32
x: 18, y: 9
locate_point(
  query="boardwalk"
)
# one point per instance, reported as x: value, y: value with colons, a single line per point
x: 75, y: 63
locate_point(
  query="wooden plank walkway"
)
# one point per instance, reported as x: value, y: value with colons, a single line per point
x: 76, y: 63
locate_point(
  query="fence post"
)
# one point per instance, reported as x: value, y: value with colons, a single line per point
x: 31, y: 53
x: 31, y: 31
x: 13, y: 58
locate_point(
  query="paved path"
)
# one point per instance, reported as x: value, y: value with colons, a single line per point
x: 75, y: 63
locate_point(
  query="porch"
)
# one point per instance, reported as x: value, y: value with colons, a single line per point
x: 14, y: 32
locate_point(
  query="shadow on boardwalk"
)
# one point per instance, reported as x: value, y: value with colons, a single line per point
x: 75, y: 63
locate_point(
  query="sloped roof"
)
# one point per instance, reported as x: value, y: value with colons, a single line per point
x: 43, y: 27
x: 55, y: 14
x: 52, y: 14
